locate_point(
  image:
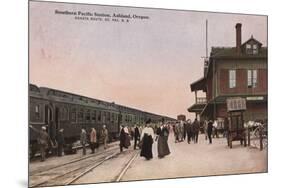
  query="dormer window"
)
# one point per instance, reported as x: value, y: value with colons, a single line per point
x: 255, y: 49
x: 252, y: 46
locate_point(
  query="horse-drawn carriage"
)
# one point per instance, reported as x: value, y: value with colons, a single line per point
x: 235, y: 125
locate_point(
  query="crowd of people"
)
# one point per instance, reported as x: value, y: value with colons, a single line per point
x: 58, y: 145
x: 189, y: 131
x: 143, y: 135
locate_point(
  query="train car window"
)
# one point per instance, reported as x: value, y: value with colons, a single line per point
x: 99, y: 116
x: 81, y: 115
x: 37, y: 112
x: 63, y: 113
x: 103, y: 117
x: 108, y: 116
x: 112, y: 117
x: 66, y: 113
x: 73, y: 115
x: 88, y: 115
x: 94, y: 115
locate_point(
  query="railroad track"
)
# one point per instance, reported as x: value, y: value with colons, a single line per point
x: 118, y: 177
x: 70, y: 172
x: 66, y: 175
x: 126, y: 167
x: 72, y: 161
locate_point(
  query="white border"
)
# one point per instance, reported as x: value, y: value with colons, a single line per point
x: 14, y: 62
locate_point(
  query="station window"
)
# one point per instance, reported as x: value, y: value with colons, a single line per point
x: 232, y: 78
x: 252, y: 49
x: 252, y: 78
x: 255, y: 49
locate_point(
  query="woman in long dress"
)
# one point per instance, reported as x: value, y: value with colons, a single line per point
x: 162, y: 145
x: 124, y: 138
x: 147, y: 136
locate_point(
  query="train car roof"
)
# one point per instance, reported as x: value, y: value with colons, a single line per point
x: 63, y: 96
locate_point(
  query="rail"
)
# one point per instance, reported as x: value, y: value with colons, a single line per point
x: 76, y: 171
x: 124, y: 170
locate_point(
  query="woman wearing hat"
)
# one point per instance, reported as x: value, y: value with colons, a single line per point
x: 147, y: 136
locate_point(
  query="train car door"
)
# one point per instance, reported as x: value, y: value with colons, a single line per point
x: 48, y: 114
x: 57, y: 110
x: 54, y: 125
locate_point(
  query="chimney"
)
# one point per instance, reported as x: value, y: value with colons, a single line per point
x: 238, y: 37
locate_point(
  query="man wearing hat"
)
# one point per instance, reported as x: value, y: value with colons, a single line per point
x: 93, y: 139
x: 104, y: 136
x: 210, y: 130
x: 43, y: 141
x: 83, y: 140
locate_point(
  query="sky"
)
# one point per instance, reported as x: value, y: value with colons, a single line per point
x: 146, y: 64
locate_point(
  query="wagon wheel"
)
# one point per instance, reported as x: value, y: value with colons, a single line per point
x: 264, y: 142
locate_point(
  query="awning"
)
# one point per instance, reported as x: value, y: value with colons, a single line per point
x: 197, y: 108
x: 222, y: 100
x: 199, y: 85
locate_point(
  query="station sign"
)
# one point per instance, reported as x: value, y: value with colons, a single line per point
x: 255, y: 98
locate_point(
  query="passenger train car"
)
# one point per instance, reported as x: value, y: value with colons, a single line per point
x: 57, y: 109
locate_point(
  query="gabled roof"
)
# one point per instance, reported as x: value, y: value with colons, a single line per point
x: 252, y: 39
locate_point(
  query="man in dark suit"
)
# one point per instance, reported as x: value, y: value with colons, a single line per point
x: 60, y: 140
x: 136, y: 136
x: 188, y: 130
x: 184, y: 130
x: 210, y: 130
x: 196, y: 128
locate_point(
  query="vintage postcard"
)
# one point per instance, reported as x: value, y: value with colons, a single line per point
x: 124, y: 93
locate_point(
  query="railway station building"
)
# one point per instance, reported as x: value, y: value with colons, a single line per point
x: 239, y: 71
